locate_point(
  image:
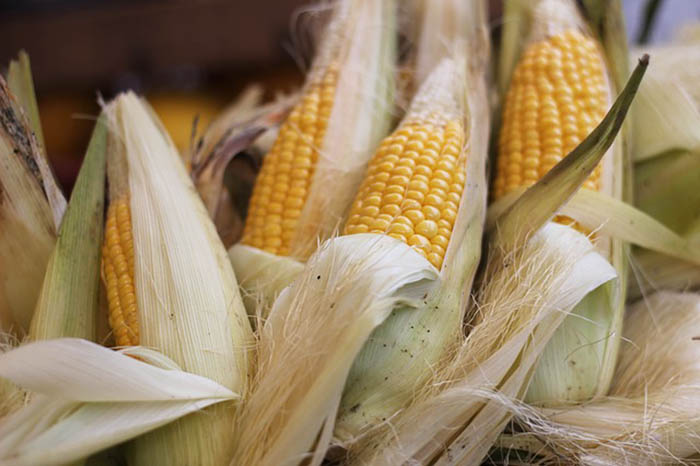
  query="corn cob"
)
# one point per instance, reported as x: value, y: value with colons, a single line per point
x: 416, y: 191
x: 285, y: 177
x: 557, y: 96
x: 118, y: 273
x: 425, y: 187
x: 558, y: 93
x: 414, y: 185
x: 305, y: 187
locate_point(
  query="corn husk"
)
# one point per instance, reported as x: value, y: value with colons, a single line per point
x: 360, y: 39
x: 591, y: 334
x: 68, y: 302
x: 666, y: 149
x: 31, y: 206
x: 402, y: 353
x: 314, y: 331
x: 455, y: 418
x: 651, y: 416
x: 86, y: 398
x: 188, y: 301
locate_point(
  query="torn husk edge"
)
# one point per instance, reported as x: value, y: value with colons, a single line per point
x: 187, y: 297
x: 404, y: 351
x: 68, y: 302
x: 21, y: 84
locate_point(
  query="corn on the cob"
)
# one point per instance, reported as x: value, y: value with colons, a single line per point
x: 413, y: 186
x: 285, y: 177
x: 558, y: 93
x: 416, y: 191
x: 307, y: 182
x: 557, y: 96
x: 118, y: 273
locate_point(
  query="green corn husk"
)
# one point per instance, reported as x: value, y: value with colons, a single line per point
x: 68, y: 302
x: 188, y: 302
x: 667, y: 169
x: 588, y: 338
x: 651, y: 415
x: 31, y: 204
x: 404, y: 351
x: 360, y: 38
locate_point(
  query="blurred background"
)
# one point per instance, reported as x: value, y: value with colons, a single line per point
x: 189, y: 57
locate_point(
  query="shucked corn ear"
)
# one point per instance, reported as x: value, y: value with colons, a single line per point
x: 425, y: 187
x: 559, y: 91
x: 455, y: 417
x: 169, y: 282
x: 31, y: 206
x: 306, y: 183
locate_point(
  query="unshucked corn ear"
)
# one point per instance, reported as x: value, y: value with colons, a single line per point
x: 651, y: 416
x: 31, y: 206
x: 305, y: 185
x: 559, y: 91
x: 169, y: 282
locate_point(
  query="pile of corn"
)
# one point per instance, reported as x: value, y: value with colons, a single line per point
x: 435, y: 264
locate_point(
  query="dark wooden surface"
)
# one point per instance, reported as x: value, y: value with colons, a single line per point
x: 82, y: 44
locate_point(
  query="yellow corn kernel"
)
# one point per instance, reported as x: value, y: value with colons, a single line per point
x: 413, y: 176
x: 285, y: 176
x: 118, y: 273
x: 557, y: 96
